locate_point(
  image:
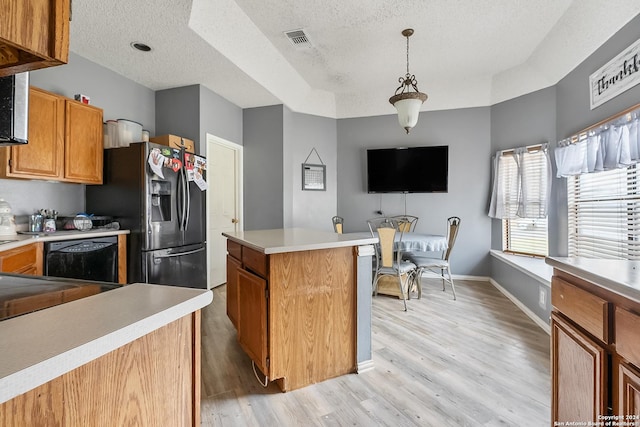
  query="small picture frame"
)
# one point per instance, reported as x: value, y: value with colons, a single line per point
x: 314, y: 177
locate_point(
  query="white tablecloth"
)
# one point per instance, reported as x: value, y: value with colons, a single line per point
x: 418, y: 242
x: 421, y: 242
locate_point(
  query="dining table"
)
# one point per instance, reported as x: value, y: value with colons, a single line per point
x: 415, y: 242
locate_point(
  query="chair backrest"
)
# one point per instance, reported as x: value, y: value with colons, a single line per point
x: 337, y: 224
x: 375, y: 223
x: 453, y: 224
x: 406, y: 223
x: 386, y: 234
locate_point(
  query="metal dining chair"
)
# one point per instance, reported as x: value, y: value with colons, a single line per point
x: 424, y: 263
x: 337, y: 224
x: 389, y: 261
x: 406, y: 223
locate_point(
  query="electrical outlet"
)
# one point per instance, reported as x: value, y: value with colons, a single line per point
x: 542, y: 297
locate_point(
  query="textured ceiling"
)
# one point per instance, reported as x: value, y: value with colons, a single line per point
x: 463, y: 53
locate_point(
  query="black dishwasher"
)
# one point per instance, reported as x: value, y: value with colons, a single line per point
x: 89, y: 259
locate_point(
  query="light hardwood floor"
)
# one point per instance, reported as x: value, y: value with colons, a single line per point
x: 477, y: 361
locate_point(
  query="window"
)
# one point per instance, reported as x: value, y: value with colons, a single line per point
x: 520, y: 199
x: 604, y: 214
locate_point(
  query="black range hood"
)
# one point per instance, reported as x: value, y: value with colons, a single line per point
x: 14, y: 109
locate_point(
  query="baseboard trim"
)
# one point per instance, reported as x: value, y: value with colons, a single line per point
x: 545, y: 326
x: 365, y: 366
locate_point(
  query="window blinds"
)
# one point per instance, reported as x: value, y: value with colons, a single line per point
x: 604, y: 214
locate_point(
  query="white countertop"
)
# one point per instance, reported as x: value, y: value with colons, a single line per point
x: 619, y: 276
x: 38, y: 347
x: 297, y: 239
x: 19, y: 240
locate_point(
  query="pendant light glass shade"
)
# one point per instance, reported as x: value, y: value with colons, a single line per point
x: 408, y: 108
x: 407, y: 101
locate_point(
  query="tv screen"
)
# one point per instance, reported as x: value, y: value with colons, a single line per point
x: 408, y: 170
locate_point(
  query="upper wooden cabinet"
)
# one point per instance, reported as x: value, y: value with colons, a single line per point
x: 65, y: 142
x: 33, y: 34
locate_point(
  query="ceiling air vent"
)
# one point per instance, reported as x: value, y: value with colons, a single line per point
x: 298, y: 38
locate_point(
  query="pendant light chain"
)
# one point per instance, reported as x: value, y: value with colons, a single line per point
x: 407, y: 55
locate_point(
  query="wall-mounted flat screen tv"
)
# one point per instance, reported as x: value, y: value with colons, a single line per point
x: 408, y: 170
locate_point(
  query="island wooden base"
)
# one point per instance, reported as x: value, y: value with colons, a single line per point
x: 154, y: 380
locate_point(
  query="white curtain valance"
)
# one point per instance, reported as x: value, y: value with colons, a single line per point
x: 610, y: 146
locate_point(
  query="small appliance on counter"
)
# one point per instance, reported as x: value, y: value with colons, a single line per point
x: 7, y: 221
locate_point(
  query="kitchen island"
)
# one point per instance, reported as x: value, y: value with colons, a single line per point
x: 595, y: 341
x: 130, y: 355
x: 301, y: 302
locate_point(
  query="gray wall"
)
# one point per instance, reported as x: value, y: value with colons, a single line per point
x: 309, y: 209
x: 574, y: 114
x: 193, y: 111
x: 263, y: 134
x: 467, y: 133
x: 219, y: 117
x: 118, y: 96
x: 178, y: 112
x: 526, y: 120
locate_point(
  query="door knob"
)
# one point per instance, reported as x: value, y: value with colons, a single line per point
x: 234, y: 220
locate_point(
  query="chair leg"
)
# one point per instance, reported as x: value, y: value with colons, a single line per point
x: 419, y: 281
x: 453, y: 287
x: 442, y: 274
x: 400, y: 285
x: 375, y: 286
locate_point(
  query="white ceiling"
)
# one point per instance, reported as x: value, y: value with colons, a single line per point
x: 463, y: 53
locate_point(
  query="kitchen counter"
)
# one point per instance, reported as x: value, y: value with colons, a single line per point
x: 619, y: 276
x: 11, y: 242
x: 301, y: 302
x: 38, y: 347
x: 296, y: 239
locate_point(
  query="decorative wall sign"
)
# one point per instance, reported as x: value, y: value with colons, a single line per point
x: 616, y: 76
x: 314, y: 176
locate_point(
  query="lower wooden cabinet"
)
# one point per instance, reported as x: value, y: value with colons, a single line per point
x: 628, y: 392
x: 595, y: 354
x: 233, y: 265
x: 252, y: 317
x: 152, y: 381
x: 295, y: 316
x: 579, y: 365
x: 23, y: 260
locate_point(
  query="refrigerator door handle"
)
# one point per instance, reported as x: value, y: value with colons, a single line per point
x: 181, y: 201
x: 188, y: 204
x: 177, y: 254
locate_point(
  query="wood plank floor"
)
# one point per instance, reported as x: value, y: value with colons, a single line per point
x: 477, y: 361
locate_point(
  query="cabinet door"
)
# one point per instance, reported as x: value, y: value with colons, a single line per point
x: 42, y: 157
x: 233, y: 265
x: 628, y: 396
x: 578, y: 367
x: 252, y: 317
x: 33, y: 34
x: 83, y: 143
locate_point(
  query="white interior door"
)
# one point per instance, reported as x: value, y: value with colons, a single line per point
x: 224, y: 176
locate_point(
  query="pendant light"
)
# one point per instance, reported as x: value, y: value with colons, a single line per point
x: 406, y: 101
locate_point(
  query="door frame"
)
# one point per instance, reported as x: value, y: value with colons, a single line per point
x: 210, y: 140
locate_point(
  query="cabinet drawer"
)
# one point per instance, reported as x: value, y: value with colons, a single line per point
x: 20, y: 259
x: 584, y: 308
x: 254, y: 261
x: 627, y: 325
x: 234, y: 249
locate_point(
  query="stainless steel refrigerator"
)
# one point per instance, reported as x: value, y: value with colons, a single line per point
x: 158, y: 194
